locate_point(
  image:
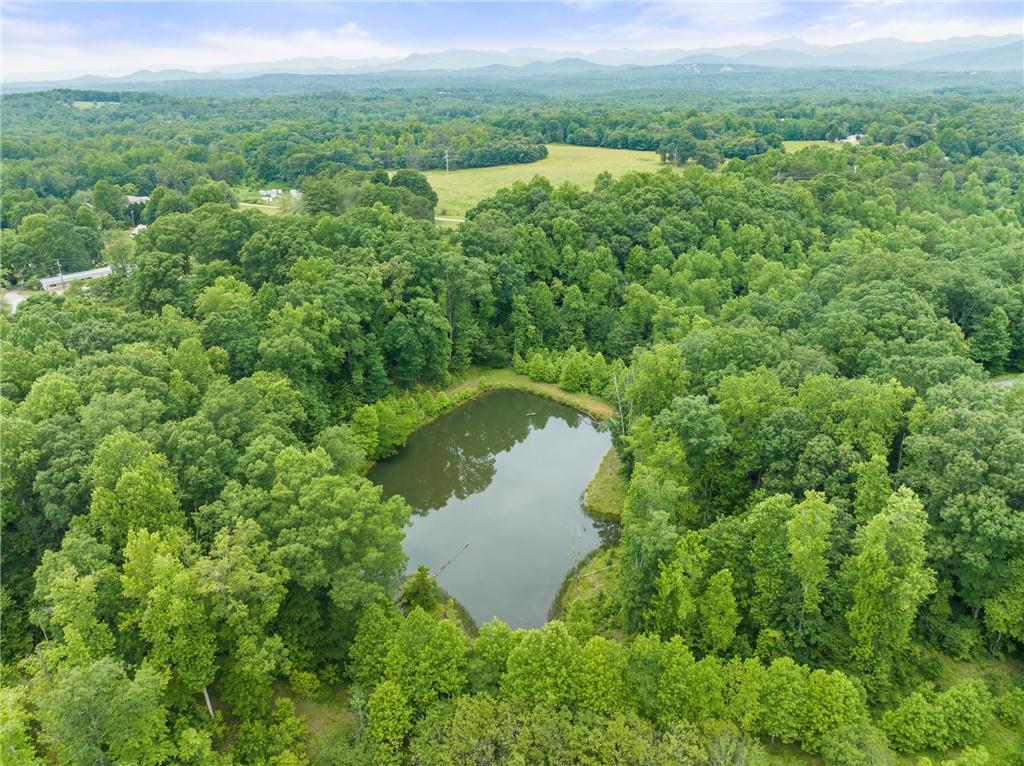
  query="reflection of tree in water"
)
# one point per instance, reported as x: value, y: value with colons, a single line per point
x: 454, y: 456
x: 608, y: 530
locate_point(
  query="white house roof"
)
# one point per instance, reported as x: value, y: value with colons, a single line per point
x: 75, y: 276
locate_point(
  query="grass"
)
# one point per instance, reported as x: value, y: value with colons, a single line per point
x: 272, y: 209
x: 794, y: 146
x: 493, y: 379
x: 249, y: 196
x: 329, y: 709
x: 606, y: 493
x: 460, y: 190
x: 594, y: 582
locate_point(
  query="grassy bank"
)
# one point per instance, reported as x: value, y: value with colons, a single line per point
x: 606, y: 493
x: 459, y: 190
x: 483, y: 380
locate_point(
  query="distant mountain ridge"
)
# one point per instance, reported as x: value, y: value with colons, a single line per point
x: 984, y: 53
x: 1004, y: 58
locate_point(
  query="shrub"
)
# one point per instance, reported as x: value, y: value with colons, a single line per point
x: 858, y: 744
x: 1009, y: 708
x: 954, y: 718
x: 304, y: 684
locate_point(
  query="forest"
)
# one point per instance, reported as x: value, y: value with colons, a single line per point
x: 809, y: 357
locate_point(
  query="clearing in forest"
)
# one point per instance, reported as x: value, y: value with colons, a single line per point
x: 460, y: 190
x: 794, y: 146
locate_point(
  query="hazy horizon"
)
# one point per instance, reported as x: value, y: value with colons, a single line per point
x: 44, y: 41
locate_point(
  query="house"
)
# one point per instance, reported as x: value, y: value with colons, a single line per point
x: 135, y: 199
x: 138, y: 229
x: 296, y: 194
x: 272, y: 193
x: 726, y: 68
x: 853, y: 139
x: 58, y: 283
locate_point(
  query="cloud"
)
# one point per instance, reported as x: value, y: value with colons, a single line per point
x: 684, y: 24
x: 35, y: 49
x: 913, y: 21
x: 46, y: 41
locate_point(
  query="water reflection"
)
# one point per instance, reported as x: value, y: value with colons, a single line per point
x: 505, y: 474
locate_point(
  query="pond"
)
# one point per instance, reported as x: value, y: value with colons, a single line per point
x: 496, y: 489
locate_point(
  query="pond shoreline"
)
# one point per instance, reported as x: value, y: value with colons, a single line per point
x: 533, y: 501
x: 480, y: 382
x: 600, y: 494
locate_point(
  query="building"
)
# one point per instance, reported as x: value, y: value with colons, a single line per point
x: 853, y: 139
x: 138, y: 229
x: 58, y: 283
x: 134, y: 199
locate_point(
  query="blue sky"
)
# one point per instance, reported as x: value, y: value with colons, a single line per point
x: 71, y: 38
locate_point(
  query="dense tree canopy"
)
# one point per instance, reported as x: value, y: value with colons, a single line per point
x: 825, y: 488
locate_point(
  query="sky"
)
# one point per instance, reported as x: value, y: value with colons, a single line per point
x: 42, y: 40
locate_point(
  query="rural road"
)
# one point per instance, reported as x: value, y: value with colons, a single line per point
x: 13, y: 296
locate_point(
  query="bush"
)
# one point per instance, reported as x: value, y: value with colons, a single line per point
x: 1009, y: 708
x: 972, y: 756
x: 915, y: 724
x: 304, y: 684
x: 420, y: 590
x: 859, y: 744
x: 955, y: 718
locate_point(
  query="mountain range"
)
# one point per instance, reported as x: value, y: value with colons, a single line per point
x: 959, y: 54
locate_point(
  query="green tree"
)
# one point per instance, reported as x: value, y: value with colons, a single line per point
x: 389, y: 720
x: 143, y: 498
x: 539, y: 668
x: 427, y: 659
x: 600, y: 677
x: 95, y: 714
x: 809, y: 531
x: 991, y: 342
x: 719, y: 616
x: 169, y: 610
x: 369, y: 649
x: 890, y: 579
x: 16, y: 739
x: 872, y: 489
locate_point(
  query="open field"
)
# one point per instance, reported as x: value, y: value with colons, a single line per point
x: 460, y: 190
x: 271, y: 209
x: 794, y: 146
x: 249, y: 197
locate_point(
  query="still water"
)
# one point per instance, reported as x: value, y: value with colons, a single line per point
x: 506, y: 474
